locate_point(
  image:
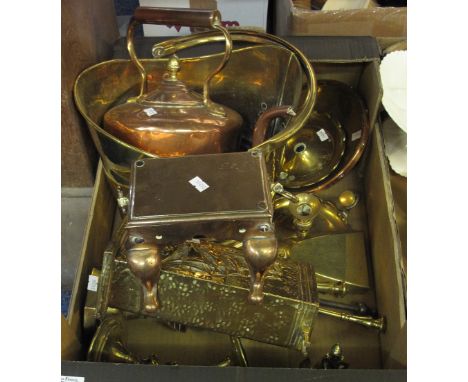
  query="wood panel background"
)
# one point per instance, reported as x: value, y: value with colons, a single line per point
x: 89, y: 30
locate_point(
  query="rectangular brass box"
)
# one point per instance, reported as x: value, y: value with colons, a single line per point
x: 206, y: 285
x: 214, y: 195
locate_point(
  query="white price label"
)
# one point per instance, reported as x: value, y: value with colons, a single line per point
x: 93, y: 283
x: 322, y: 134
x: 199, y: 184
x: 150, y: 111
x: 356, y: 135
x: 67, y: 378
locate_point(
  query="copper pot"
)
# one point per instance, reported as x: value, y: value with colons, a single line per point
x: 173, y: 120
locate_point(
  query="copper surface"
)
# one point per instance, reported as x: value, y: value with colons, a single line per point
x: 144, y: 260
x: 173, y: 120
x: 260, y: 250
x: 180, y: 125
x: 262, y: 124
x: 234, y: 202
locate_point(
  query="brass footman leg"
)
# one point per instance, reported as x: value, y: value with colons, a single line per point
x: 260, y: 250
x: 144, y: 260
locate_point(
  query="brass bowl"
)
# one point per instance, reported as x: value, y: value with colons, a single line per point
x: 312, y: 153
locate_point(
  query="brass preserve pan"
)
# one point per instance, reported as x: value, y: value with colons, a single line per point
x: 270, y: 72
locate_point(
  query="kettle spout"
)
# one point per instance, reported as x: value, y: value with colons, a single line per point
x: 264, y: 120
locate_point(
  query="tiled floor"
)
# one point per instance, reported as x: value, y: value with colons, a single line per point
x: 75, y: 207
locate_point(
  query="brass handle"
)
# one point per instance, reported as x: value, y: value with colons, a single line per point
x: 336, y: 288
x: 303, y: 112
x: 261, y: 126
x: 207, y: 18
x: 184, y: 17
x: 369, y: 322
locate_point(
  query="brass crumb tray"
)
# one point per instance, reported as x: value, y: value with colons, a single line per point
x: 206, y: 285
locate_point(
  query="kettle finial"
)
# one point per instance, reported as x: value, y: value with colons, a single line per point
x: 173, y: 66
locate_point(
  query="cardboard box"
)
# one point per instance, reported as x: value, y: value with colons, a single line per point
x: 355, y: 61
x: 381, y: 22
x: 249, y: 14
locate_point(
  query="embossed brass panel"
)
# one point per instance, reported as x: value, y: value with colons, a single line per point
x: 206, y: 285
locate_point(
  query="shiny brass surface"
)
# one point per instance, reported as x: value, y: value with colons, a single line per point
x: 311, y: 154
x: 370, y: 322
x: 144, y: 260
x: 150, y: 341
x: 108, y: 345
x: 348, y: 199
x: 304, y: 211
x: 206, y: 285
x: 346, y: 109
x: 339, y: 260
x: 276, y: 75
x: 172, y: 120
x: 338, y: 288
x: 297, y: 215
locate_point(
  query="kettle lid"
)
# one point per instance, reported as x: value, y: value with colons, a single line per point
x: 172, y: 92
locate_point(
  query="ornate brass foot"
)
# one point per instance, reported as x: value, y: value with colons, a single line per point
x: 260, y: 251
x: 144, y: 260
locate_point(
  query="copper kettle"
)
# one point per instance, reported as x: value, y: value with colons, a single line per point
x: 173, y: 120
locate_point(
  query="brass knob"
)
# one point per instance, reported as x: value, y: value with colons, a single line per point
x: 173, y: 66
x: 144, y: 260
x: 305, y: 210
x: 260, y: 250
x: 348, y: 199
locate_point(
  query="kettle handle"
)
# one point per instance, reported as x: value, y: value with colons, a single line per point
x: 303, y: 111
x: 207, y: 18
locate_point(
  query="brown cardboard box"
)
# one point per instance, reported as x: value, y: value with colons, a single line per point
x: 381, y: 22
x: 364, y: 349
